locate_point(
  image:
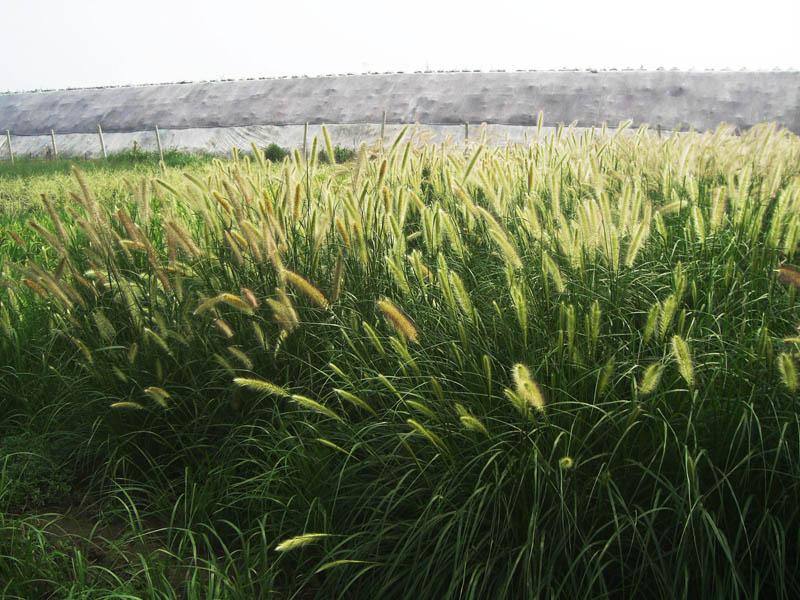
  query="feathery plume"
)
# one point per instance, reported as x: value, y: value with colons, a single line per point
x: 652, y: 322
x: 606, y: 373
x: 338, y: 278
x: 299, y: 541
x: 242, y: 357
x: 470, y: 421
x: 328, y: 145
x: 667, y: 314
x: 354, y: 400
x: 790, y: 275
x: 315, y: 406
x: 651, y: 379
x: 551, y: 270
x: 104, y: 326
x: 637, y: 241
x: 236, y: 302
x: 427, y: 434
x: 565, y: 463
x: 683, y: 356
x: 223, y: 327
x: 788, y: 371
x: 302, y: 285
x: 283, y: 312
x: 260, y: 385
x: 250, y: 296
x: 526, y: 388
x: 400, y: 322
x: 159, y: 395
x: 127, y: 404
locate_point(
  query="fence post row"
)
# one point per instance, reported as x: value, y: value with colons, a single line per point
x: 53, y: 143
x: 158, y: 142
x: 102, y: 141
x: 10, y: 150
x: 160, y: 146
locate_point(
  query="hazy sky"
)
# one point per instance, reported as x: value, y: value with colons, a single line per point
x: 58, y: 43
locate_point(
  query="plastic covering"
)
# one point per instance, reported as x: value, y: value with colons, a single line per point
x: 217, y: 116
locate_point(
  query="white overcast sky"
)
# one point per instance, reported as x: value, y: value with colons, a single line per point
x: 58, y: 43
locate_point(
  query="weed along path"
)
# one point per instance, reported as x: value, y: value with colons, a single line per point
x: 565, y: 367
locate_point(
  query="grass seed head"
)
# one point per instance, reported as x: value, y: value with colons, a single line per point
x: 790, y: 275
x: 127, y: 405
x: 315, y: 406
x: 159, y: 395
x: 683, y: 356
x: 251, y: 298
x: 260, y: 385
x: 472, y: 423
x: 395, y: 317
x: 427, y: 434
x: 302, y: 285
x: 566, y: 463
x: 299, y: 541
x: 526, y: 388
x: 651, y: 379
x: 788, y: 371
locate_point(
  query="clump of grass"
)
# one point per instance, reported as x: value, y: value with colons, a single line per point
x: 33, y: 474
x: 446, y: 358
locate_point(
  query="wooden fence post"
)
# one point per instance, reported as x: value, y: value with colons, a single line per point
x: 158, y: 143
x: 466, y: 131
x: 102, y: 141
x: 10, y: 150
x: 53, y: 144
x: 383, y: 128
x: 305, y: 142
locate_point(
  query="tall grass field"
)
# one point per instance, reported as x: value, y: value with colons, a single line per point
x: 563, y: 369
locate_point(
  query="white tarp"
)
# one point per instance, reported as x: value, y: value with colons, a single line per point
x: 221, y: 140
x: 216, y: 116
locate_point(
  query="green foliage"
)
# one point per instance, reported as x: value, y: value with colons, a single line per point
x: 117, y: 161
x: 275, y: 153
x: 34, y: 472
x: 342, y: 154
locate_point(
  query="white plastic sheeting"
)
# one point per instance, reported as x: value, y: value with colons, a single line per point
x: 222, y: 140
x: 216, y: 116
